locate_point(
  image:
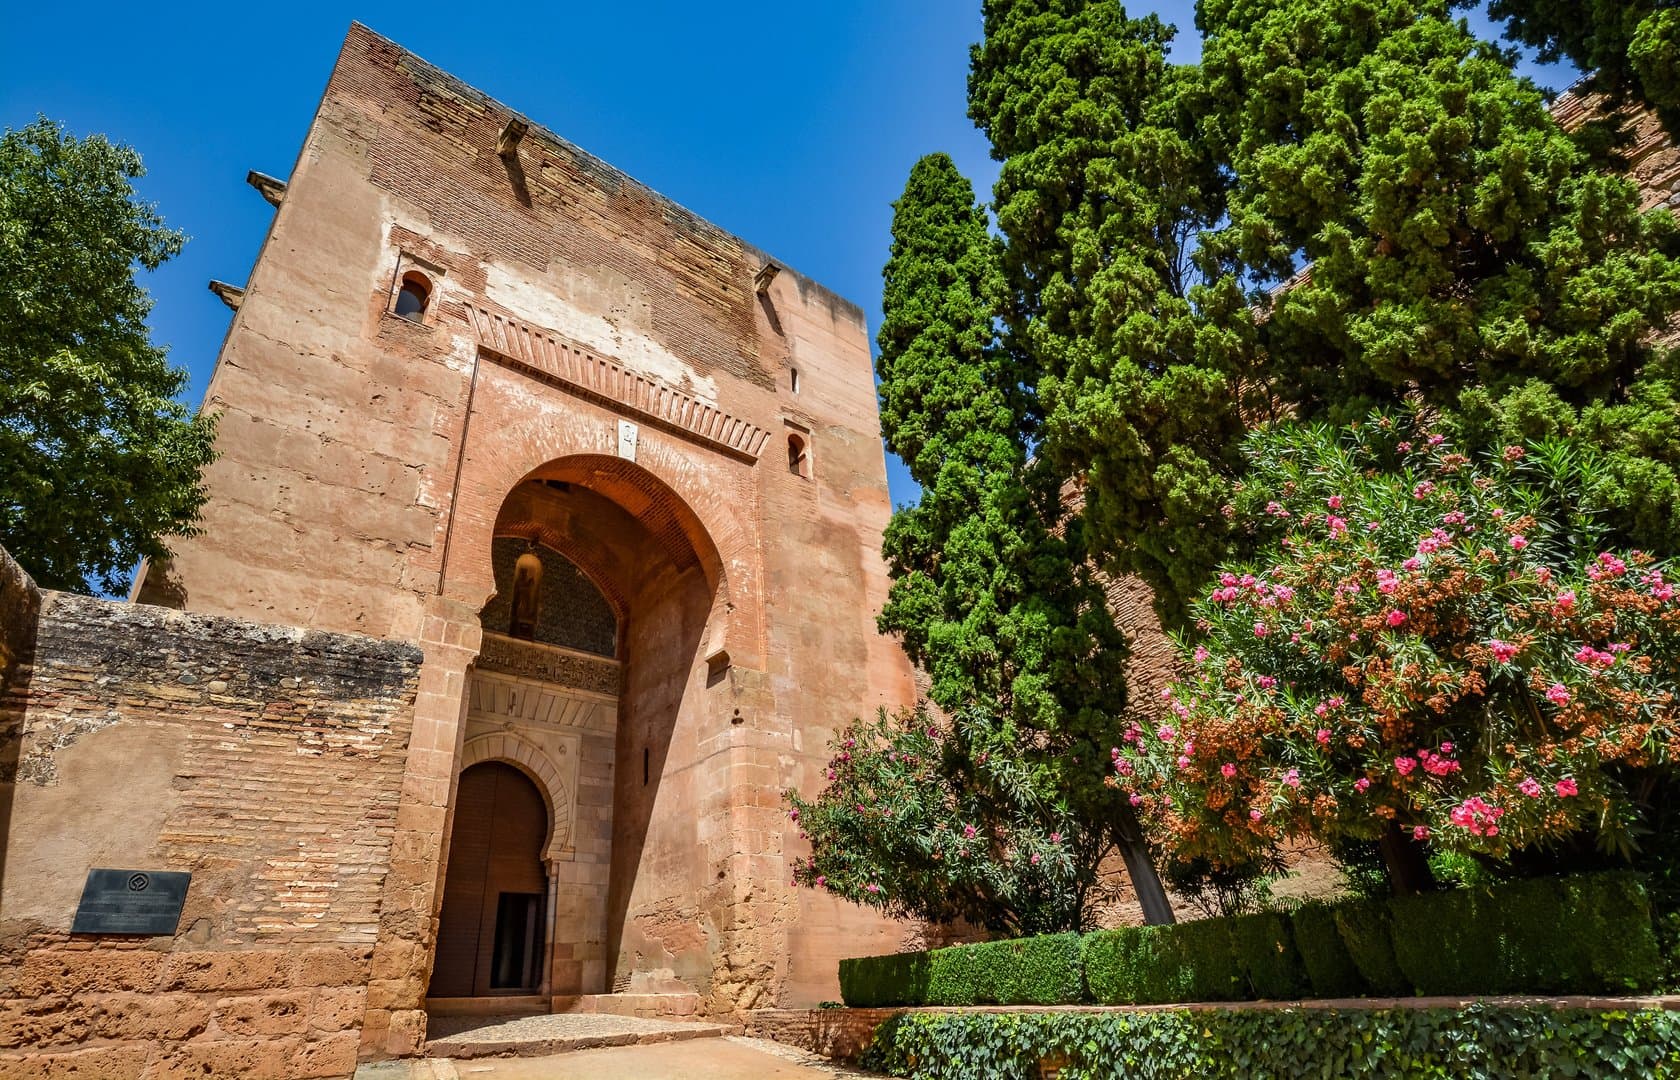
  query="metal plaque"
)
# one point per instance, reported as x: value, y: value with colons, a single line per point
x: 131, y: 902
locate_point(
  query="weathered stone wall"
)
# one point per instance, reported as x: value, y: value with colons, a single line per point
x: 264, y: 760
x: 19, y: 603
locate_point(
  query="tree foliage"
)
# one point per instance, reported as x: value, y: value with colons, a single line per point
x: 1630, y: 48
x: 1462, y: 247
x: 1427, y: 645
x: 918, y: 818
x: 98, y: 460
x: 1136, y: 342
x: 993, y: 594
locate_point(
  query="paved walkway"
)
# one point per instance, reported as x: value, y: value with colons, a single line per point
x: 527, y: 1036
x: 715, y: 1058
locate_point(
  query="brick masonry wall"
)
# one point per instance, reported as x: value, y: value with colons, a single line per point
x: 265, y: 760
x: 838, y: 1034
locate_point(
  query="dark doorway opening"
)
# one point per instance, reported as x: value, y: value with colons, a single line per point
x: 491, y: 932
x: 517, y: 954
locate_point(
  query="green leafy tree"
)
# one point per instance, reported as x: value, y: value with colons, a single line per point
x: 919, y: 819
x: 98, y: 460
x: 994, y: 593
x: 1463, y: 248
x: 1631, y: 48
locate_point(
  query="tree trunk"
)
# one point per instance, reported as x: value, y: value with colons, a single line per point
x: 1403, y: 857
x: 1146, y: 880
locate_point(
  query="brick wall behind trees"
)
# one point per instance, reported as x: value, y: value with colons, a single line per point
x: 265, y: 760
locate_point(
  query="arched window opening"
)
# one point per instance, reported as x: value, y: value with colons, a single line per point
x: 413, y: 295
x: 799, y: 457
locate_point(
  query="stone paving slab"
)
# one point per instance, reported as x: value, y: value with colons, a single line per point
x: 731, y: 1058
x: 466, y: 1037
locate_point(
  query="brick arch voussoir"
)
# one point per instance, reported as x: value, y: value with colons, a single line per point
x: 501, y: 456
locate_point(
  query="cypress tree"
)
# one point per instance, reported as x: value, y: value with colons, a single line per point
x: 994, y: 593
x: 1464, y: 251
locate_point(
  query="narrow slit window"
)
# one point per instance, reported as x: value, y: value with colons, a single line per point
x: 413, y: 296
x: 793, y: 380
x: 799, y: 457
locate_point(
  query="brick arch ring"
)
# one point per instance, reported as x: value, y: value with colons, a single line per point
x: 528, y: 758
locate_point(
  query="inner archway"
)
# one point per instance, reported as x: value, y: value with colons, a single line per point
x: 491, y: 931
x: 593, y: 666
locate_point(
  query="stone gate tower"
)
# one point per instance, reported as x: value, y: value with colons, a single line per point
x: 620, y: 475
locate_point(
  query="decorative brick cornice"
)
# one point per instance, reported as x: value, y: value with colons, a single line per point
x: 554, y: 359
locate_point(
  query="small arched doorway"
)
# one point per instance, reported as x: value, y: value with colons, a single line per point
x: 491, y: 930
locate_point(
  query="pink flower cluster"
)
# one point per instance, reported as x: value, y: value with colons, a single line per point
x: 1592, y: 657
x: 1503, y: 651
x: 1479, y: 817
x: 1609, y: 566
x: 1437, y: 765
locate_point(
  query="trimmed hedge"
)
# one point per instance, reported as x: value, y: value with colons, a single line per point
x: 899, y: 979
x: 1026, y: 971
x: 1268, y: 957
x: 1158, y: 965
x: 1549, y: 935
x: 1478, y: 1041
x: 1367, y: 929
x: 1586, y: 934
x: 1330, y: 969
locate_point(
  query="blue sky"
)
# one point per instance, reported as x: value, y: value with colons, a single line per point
x: 792, y: 125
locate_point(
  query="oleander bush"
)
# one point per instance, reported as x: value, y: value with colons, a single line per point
x: 1481, y: 1041
x: 1588, y: 934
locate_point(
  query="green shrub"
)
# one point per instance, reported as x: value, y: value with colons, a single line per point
x: 1367, y: 929
x: 956, y: 976
x: 1331, y: 971
x: 1155, y: 965
x: 1026, y: 971
x: 1036, y: 971
x: 1479, y: 1041
x: 870, y: 981
x: 1584, y: 934
x: 1266, y: 955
